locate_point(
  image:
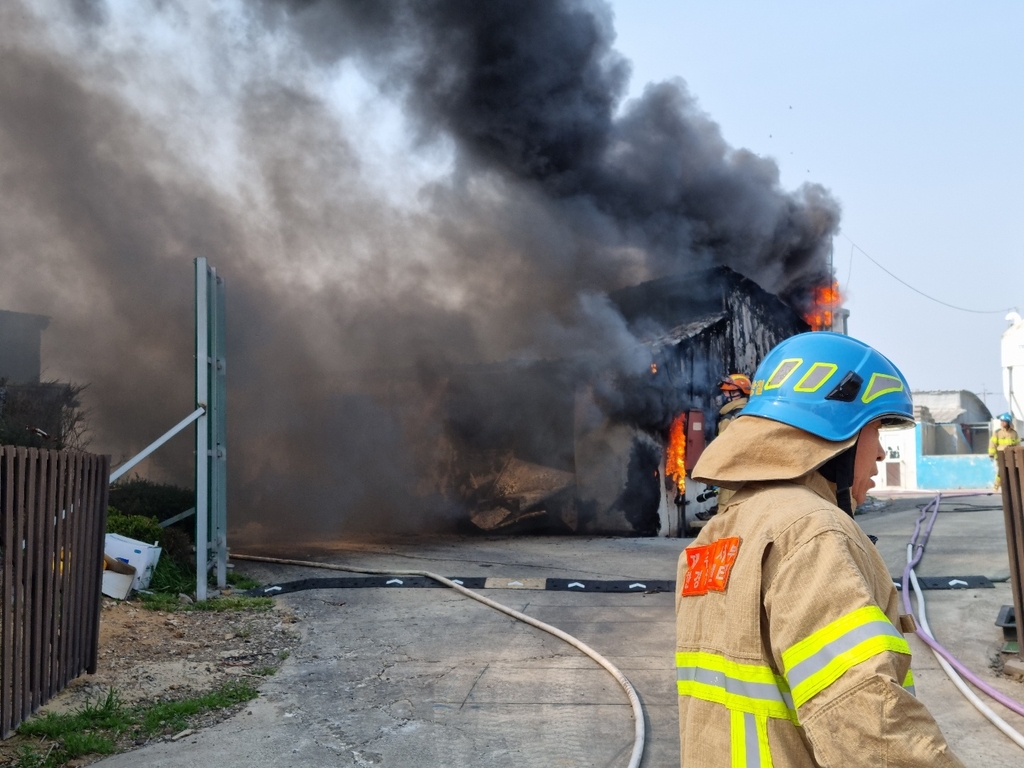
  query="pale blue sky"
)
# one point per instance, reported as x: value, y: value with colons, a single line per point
x: 912, y: 114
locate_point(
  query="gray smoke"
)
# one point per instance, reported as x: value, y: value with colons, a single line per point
x: 136, y: 136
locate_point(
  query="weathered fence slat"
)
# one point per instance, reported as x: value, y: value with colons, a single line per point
x: 101, y: 480
x: 7, y: 584
x: 48, y: 518
x: 28, y: 585
x: 53, y: 512
x: 19, y: 582
x: 1011, y: 470
x: 58, y: 573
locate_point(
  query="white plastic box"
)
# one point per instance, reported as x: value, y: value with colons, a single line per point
x: 117, y: 578
x: 138, y: 554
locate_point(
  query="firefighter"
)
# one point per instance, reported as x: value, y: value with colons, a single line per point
x: 1004, y: 437
x: 789, y: 641
x: 735, y: 392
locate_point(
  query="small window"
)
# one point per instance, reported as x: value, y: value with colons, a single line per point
x: 783, y: 372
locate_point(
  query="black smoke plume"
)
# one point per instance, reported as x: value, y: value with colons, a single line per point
x: 136, y: 136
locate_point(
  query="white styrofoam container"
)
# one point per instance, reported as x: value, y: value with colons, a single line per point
x: 117, y: 585
x: 138, y: 554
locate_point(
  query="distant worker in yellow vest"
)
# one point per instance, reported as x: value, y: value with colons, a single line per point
x: 736, y: 392
x: 1005, y: 436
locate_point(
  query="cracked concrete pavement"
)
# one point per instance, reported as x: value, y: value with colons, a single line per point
x: 427, y: 677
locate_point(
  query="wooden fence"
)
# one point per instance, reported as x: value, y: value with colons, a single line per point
x: 1011, y: 475
x: 53, y: 513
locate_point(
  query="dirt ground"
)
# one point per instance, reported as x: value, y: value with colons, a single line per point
x: 149, y: 656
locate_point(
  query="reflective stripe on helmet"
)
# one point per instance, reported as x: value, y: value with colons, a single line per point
x: 784, y: 370
x: 881, y: 384
x: 816, y: 377
x: 863, y: 386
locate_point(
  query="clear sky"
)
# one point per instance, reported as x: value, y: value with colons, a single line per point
x: 912, y: 114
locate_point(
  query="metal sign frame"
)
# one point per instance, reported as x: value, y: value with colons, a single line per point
x: 211, y: 429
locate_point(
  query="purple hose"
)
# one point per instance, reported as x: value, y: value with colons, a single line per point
x: 933, y: 505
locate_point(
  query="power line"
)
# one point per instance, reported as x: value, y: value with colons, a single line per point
x: 917, y: 290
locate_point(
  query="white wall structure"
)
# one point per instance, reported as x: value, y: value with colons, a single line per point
x: 899, y: 468
x: 947, y: 448
x: 1013, y: 366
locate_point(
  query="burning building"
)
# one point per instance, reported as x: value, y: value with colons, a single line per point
x: 411, y: 192
x: 555, y: 445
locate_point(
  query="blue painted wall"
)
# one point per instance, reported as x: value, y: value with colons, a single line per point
x: 939, y: 473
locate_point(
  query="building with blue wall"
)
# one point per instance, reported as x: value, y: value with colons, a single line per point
x: 947, y: 449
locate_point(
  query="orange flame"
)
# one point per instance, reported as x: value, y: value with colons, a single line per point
x: 654, y: 368
x: 826, y: 299
x: 675, y: 454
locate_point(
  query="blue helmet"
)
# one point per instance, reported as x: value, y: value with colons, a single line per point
x: 830, y: 385
x: 1006, y: 417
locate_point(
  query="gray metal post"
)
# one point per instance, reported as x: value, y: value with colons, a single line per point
x: 221, y: 427
x: 218, y: 437
x: 202, y: 426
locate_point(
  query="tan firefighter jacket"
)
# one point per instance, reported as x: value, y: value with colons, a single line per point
x: 789, y: 642
x: 726, y: 414
x: 1002, y: 438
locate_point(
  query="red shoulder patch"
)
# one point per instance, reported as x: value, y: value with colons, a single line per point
x: 708, y: 567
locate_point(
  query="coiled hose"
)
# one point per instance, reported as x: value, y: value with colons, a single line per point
x: 634, y: 701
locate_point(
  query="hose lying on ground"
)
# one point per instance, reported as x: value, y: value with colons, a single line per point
x: 634, y: 700
x: 941, y: 654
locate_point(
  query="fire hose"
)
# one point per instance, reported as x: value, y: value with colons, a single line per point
x: 950, y: 665
x: 634, y: 700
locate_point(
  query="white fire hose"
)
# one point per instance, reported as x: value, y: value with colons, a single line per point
x: 958, y: 681
x: 634, y: 700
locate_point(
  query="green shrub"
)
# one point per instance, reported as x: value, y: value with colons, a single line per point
x: 136, y: 527
x: 138, y: 496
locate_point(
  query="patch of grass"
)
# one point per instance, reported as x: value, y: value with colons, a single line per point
x: 31, y: 758
x: 79, y: 744
x: 232, y: 603
x: 284, y: 655
x: 173, y: 577
x: 173, y: 715
x: 108, y: 714
x: 242, y: 581
x: 162, y: 601
x: 91, y: 729
x: 96, y: 727
x: 265, y: 671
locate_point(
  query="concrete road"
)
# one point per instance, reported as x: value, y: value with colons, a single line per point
x: 426, y: 677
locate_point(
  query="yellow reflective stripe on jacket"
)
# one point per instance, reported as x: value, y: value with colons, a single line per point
x: 997, y: 442
x: 813, y: 664
x: 749, y: 740
x: 750, y: 688
x: 908, y: 683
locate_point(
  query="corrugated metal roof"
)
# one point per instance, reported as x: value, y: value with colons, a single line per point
x: 952, y: 406
x: 684, y: 331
